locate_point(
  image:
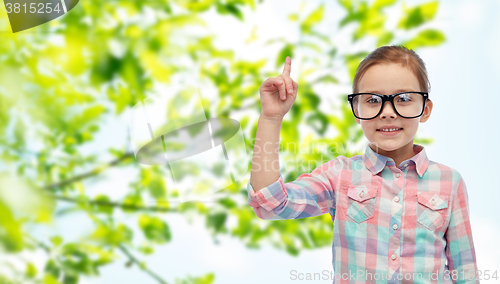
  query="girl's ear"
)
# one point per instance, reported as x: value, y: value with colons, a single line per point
x: 427, y: 111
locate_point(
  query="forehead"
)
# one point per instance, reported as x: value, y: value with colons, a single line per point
x: 388, y: 78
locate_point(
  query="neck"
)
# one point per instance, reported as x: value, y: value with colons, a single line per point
x: 398, y: 155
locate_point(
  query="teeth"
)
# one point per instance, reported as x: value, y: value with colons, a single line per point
x: 389, y: 130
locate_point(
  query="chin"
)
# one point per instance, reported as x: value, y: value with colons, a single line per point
x: 387, y: 147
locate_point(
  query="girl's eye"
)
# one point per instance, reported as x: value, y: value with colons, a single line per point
x: 404, y: 98
x: 374, y: 100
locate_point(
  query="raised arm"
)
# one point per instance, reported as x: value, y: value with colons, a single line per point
x: 277, y: 95
x: 312, y: 193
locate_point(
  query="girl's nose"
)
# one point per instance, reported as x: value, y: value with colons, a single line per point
x: 388, y: 111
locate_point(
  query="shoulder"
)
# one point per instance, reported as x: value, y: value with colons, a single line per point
x: 450, y: 179
x: 445, y: 172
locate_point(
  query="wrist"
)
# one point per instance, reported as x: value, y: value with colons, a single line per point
x: 272, y: 119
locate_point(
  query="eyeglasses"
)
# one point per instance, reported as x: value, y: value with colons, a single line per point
x: 369, y: 105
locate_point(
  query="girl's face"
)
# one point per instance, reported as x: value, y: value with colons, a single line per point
x: 388, y: 79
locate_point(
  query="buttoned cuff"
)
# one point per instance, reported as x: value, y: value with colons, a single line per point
x: 268, y: 197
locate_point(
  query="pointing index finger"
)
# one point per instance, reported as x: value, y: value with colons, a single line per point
x: 288, y: 66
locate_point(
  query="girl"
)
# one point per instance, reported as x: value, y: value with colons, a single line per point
x: 398, y: 216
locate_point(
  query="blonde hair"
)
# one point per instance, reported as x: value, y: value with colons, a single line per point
x: 394, y: 54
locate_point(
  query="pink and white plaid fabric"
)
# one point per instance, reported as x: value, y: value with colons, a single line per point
x: 392, y: 224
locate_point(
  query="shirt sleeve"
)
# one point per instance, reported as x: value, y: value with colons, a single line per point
x: 311, y: 194
x: 460, y: 246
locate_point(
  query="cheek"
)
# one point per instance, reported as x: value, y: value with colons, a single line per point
x: 367, y: 123
x: 413, y: 124
x: 367, y: 126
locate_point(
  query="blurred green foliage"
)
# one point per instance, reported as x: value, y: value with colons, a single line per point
x: 62, y: 82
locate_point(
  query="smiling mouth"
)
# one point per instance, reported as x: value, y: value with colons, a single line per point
x: 390, y: 130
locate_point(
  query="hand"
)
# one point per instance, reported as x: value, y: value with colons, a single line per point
x: 277, y: 94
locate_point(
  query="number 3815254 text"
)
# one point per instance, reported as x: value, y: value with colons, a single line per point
x: 39, y: 8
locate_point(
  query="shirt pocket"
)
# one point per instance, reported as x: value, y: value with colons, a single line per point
x: 432, y: 210
x: 361, y: 202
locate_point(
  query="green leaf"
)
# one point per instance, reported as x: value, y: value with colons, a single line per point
x: 52, y: 269
x: 70, y: 278
x: 347, y: 4
x: 146, y: 249
x: 371, y: 23
x: 244, y: 227
x: 206, y: 279
x: 290, y: 247
x: 227, y: 202
x: 11, y: 236
x: 154, y: 229
x: 312, y: 99
x: 230, y: 8
x: 90, y: 114
x: 105, y: 68
x: 56, y: 240
x: 322, y: 37
x: 423, y: 141
x: 379, y: 4
x: 27, y: 200
x: 318, y: 237
x: 418, y: 15
x: 216, y: 221
x: 314, y: 18
x: 133, y: 200
x: 108, y: 235
x: 197, y: 6
x: 167, y: 8
x: 289, y: 129
x: 103, y: 208
x: 75, y: 258
x: 353, y: 61
x: 287, y: 50
x: 328, y: 78
x: 429, y: 37
x: 157, y: 188
x: 31, y: 270
x: 356, y: 16
x: 312, y: 46
x: 50, y: 279
x: 184, y: 169
x: 385, y: 38
x: 319, y: 122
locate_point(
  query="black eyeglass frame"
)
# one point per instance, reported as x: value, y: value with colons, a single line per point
x: 386, y: 98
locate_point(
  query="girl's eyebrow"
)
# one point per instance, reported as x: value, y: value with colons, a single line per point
x: 397, y: 91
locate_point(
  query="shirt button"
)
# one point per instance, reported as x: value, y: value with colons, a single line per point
x: 433, y: 202
x: 362, y: 194
x: 393, y: 256
x: 398, y: 175
x: 405, y: 165
x: 395, y: 226
x: 396, y: 199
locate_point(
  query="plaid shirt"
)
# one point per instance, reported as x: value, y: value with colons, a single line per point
x: 391, y: 224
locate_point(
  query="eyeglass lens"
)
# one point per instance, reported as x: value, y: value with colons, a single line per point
x: 407, y: 104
